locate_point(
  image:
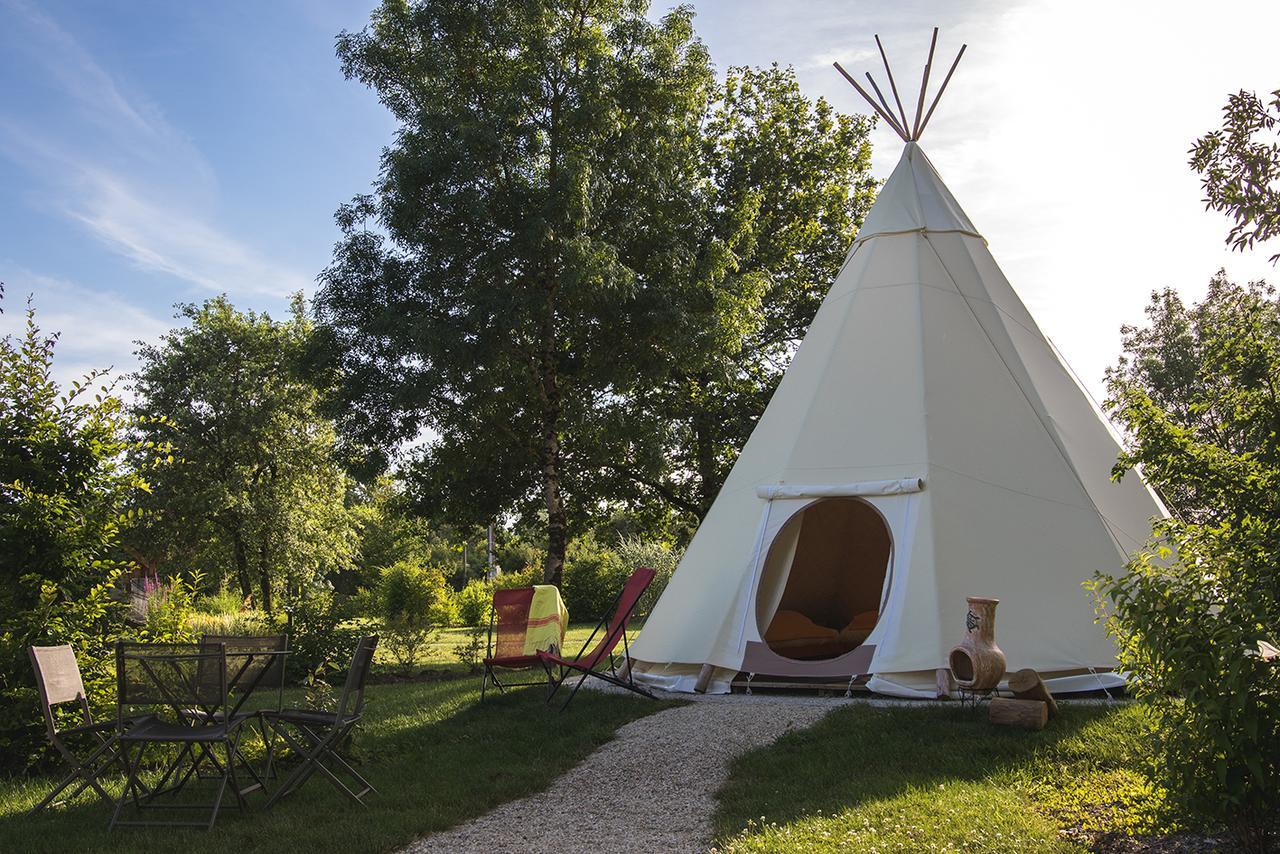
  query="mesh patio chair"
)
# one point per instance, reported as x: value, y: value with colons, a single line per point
x: 614, y: 625
x: 255, y: 664
x: 510, y: 616
x: 316, y: 734
x: 58, y: 681
x: 177, y: 678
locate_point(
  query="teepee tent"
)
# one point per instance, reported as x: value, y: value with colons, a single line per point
x: 927, y: 443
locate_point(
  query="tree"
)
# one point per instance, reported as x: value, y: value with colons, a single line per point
x: 65, y: 492
x: 491, y: 290
x: 255, y: 492
x: 1241, y: 173
x: 787, y: 183
x: 1199, y: 397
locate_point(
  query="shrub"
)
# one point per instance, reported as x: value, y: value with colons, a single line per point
x: 225, y: 602
x: 592, y: 578
x: 660, y: 557
x: 320, y: 645
x: 65, y: 493
x: 168, y: 608
x: 413, y: 601
x: 473, y: 602
x: 1189, y: 631
x: 530, y: 575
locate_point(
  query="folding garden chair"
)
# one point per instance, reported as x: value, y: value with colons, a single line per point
x: 510, y: 615
x: 58, y: 681
x: 615, y: 626
x: 254, y: 663
x: 317, y: 734
x: 178, y: 678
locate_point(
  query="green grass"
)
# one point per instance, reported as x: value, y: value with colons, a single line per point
x: 436, y: 756
x: 441, y: 653
x: 939, y: 779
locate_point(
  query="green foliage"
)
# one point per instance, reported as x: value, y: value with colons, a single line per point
x: 254, y: 493
x: 1197, y: 397
x: 526, y: 577
x: 65, y: 493
x: 1240, y: 172
x: 320, y: 640
x: 634, y: 552
x: 471, y: 653
x: 784, y: 184
x: 413, y: 601
x: 247, y: 623
x: 473, y: 602
x: 169, y: 609
x: 593, y: 575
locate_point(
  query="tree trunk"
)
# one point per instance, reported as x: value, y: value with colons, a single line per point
x: 242, y: 566
x: 264, y: 580
x: 557, y: 519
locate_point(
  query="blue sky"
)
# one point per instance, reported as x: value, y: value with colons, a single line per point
x: 156, y: 152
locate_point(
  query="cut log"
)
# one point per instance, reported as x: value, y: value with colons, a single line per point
x: 1025, y: 714
x: 1027, y: 685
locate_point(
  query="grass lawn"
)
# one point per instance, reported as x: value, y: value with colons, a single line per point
x: 938, y: 779
x: 436, y: 756
x: 442, y: 651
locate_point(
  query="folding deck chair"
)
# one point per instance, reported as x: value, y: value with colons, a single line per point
x: 317, y: 734
x: 615, y: 625
x: 58, y: 681
x: 510, y: 615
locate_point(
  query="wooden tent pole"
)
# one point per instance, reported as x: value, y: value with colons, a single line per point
x: 892, y: 86
x: 883, y: 102
x: 924, y: 85
x: 938, y: 97
x: 893, y: 124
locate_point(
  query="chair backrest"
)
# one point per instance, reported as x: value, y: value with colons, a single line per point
x: 510, y: 617
x: 177, y: 675
x: 249, y: 667
x: 352, y: 700
x: 58, y: 681
x: 626, y: 602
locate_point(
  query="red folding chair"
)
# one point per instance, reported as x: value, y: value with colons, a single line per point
x: 615, y: 626
x: 510, y: 616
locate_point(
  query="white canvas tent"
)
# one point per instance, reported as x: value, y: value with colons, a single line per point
x: 926, y: 444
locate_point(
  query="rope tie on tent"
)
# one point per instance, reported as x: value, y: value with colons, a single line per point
x: 1101, y: 684
x: 750, y: 676
x: 848, y: 691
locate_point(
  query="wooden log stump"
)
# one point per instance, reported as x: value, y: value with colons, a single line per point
x: 1026, y: 684
x: 1025, y: 714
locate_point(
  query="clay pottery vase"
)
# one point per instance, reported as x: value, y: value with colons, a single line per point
x: 976, y: 662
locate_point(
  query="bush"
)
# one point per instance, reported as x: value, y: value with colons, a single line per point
x: 660, y: 557
x: 168, y: 608
x: 65, y: 492
x: 320, y: 645
x: 473, y: 602
x: 592, y: 577
x: 1189, y: 631
x: 530, y: 575
x: 413, y: 601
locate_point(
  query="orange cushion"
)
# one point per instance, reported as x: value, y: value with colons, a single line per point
x: 792, y: 627
x: 859, y: 627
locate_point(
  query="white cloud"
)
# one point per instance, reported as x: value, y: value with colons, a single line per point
x: 137, y: 184
x: 98, y: 328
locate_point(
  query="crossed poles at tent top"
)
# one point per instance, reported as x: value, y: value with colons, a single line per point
x: 908, y: 132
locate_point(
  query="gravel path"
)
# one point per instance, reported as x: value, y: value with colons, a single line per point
x: 650, y: 789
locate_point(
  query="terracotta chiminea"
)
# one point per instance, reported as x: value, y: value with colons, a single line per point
x: 976, y: 662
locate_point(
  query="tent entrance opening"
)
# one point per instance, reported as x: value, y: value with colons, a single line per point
x: 823, y: 580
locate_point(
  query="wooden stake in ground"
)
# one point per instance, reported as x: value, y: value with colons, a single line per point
x: 1026, y: 684
x: 1024, y: 714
